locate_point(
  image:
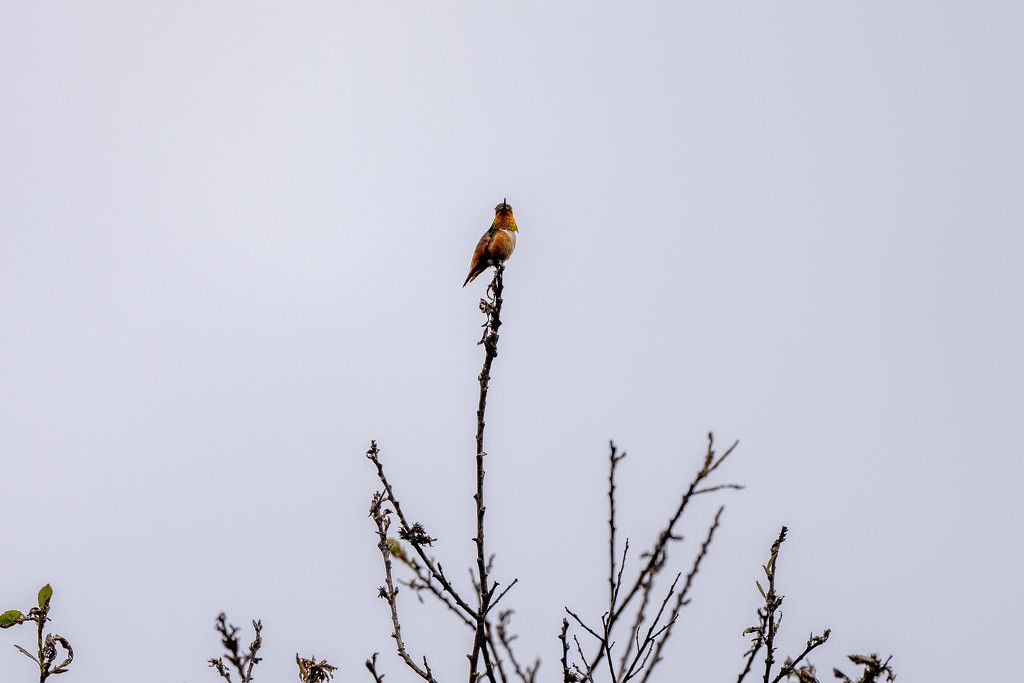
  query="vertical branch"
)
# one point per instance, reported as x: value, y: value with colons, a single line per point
x: 254, y: 647
x: 491, y: 307
x: 764, y: 632
x: 613, y: 460
x: 381, y: 518
x: 772, y: 602
x: 567, y: 675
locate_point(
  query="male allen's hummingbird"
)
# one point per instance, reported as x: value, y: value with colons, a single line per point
x: 497, y: 244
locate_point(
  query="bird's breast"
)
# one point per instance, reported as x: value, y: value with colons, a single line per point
x: 502, y: 245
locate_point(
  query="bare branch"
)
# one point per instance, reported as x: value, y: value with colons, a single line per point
x: 567, y: 675
x: 720, y: 487
x: 613, y: 583
x: 382, y: 520
x: 373, y: 455
x: 582, y: 625
x: 666, y: 535
x: 426, y: 583
x: 638, y: 620
x: 527, y: 674
x: 371, y: 666
x: 651, y: 635
x: 502, y: 594
x: 589, y: 669
x: 757, y: 642
x: 681, y: 598
x: 492, y: 309
x: 656, y: 556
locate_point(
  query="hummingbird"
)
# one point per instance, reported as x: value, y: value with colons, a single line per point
x: 497, y: 244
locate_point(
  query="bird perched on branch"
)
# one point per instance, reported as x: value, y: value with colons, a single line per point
x: 497, y: 244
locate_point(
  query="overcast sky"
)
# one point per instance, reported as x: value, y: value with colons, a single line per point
x: 233, y: 239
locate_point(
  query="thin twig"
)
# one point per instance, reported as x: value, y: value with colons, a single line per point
x: 525, y: 675
x: 607, y: 643
x: 427, y: 583
x: 681, y: 598
x: 642, y: 584
x: 711, y: 463
x: 638, y: 620
x: 373, y: 455
x: 502, y: 593
x: 492, y: 645
x: 381, y: 519
x: 711, y: 489
x: 651, y: 635
x: 613, y: 461
x: 582, y: 625
x: 371, y: 665
x: 254, y: 647
x: 789, y: 667
x: 588, y: 673
x: 757, y: 642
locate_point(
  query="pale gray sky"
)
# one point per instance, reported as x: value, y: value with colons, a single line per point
x: 233, y: 239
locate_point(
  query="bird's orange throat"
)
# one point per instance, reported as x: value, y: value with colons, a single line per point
x: 505, y: 221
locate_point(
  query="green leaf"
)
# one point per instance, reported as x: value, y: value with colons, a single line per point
x: 760, y: 589
x: 9, y: 618
x: 44, y: 596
